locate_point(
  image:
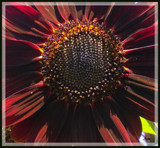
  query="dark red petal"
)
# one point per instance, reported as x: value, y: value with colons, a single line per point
x: 138, y: 96
x: 27, y: 37
x: 106, y: 127
x: 138, y: 51
x: 141, y: 60
x: 20, y: 52
x: 87, y: 13
x: 131, y: 13
x: 12, y: 30
x: 80, y: 12
x: 110, y: 18
x: 21, y: 130
x: 49, y: 123
x: 142, y: 79
x: 13, y: 71
x: 141, y: 38
x: 48, y: 11
x: 142, y: 89
x: 79, y: 129
x: 97, y: 13
x: 25, y: 103
x: 141, y: 56
x: 64, y: 10
x: 119, y: 116
x: 21, y: 81
x: 83, y: 125
x: 143, y: 17
x: 27, y: 18
x: 66, y: 132
x: 115, y: 125
x: 144, y: 71
x: 73, y: 11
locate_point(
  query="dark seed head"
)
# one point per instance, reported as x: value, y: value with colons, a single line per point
x: 82, y: 59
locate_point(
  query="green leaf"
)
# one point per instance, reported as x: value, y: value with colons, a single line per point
x: 148, y: 126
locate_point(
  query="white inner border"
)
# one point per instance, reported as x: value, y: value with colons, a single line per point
x: 4, y: 4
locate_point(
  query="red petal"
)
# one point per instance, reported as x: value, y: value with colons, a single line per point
x: 120, y: 127
x: 102, y: 11
x: 49, y: 123
x: 110, y: 18
x: 24, y: 103
x: 144, y: 17
x: 25, y: 23
x: 13, y: 71
x: 115, y: 125
x: 66, y: 132
x: 21, y: 130
x: 28, y: 37
x: 21, y: 52
x: 105, y: 125
x: 124, y: 122
x: 83, y: 126
x: 30, y: 18
x: 80, y: 10
x: 63, y: 10
x: 139, y: 50
x: 127, y: 122
x: 142, y: 79
x: 42, y: 134
x: 143, y: 38
x: 87, y: 13
x: 19, y: 82
x: 48, y: 11
x: 73, y: 11
x: 142, y: 60
x: 137, y: 98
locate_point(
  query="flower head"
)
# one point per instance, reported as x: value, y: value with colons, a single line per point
x: 79, y: 73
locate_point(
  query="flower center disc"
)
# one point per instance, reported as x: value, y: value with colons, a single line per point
x: 82, y: 62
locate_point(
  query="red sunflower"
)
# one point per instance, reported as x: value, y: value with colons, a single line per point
x: 78, y: 72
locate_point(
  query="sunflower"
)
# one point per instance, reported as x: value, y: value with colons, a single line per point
x: 79, y: 72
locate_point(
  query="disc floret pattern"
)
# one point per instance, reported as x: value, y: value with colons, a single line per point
x: 82, y: 61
